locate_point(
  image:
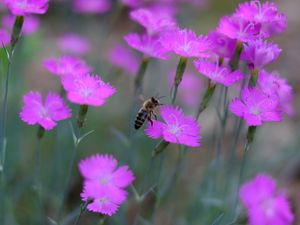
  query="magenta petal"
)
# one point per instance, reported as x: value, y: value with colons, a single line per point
x: 103, y: 206
x: 237, y: 107
x: 252, y: 120
x: 122, y: 177
x: 155, y: 130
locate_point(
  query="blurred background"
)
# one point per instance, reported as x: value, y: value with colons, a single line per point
x: 195, y: 189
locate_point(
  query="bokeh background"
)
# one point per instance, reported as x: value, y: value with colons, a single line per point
x: 197, y: 189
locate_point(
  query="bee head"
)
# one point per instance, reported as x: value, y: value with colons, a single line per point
x: 154, y: 101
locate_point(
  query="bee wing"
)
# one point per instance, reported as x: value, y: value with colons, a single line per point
x: 141, y: 98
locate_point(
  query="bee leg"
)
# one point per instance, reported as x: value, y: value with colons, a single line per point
x: 149, y: 119
x: 155, y: 116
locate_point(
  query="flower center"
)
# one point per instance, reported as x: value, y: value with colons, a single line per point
x: 102, y: 200
x: 255, y: 110
x: 44, y: 112
x: 104, y: 180
x: 86, y: 92
x: 174, y: 129
x: 268, y: 207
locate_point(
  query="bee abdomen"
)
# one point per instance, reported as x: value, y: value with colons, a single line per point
x: 140, y: 119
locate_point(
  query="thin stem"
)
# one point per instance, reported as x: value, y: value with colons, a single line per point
x: 253, y: 78
x: 178, y: 77
x: 160, y: 147
x: 37, y: 179
x: 102, y: 220
x: 81, y: 115
x: 179, y: 165
x: 234, y: 62
x: 3, y: 111
x: 138, y: 82
x: 82, y: 210
x: 250, y: 138
x: 206, y: 98
x: 68, y: 178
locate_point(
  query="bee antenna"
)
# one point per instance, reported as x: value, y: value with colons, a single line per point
x: 160, y: 97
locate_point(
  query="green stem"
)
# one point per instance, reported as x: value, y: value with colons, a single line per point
x: 178, y: 77
x: 82, y: 210
x: 16, y: 34
x: 234, y: 62
x: 160, y: 147
x: 138, y: 82
x: 68, y: 178
x: 14, y: 40
x: 250, y: 138
x: 253, y: 78
x: 37, y: 180
x: 206, y: 98
x: 102, y: 219
x: 81, y: 115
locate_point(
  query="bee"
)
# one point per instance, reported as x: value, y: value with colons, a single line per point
x: 146, y: 112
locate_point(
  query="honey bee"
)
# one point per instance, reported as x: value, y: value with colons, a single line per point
x: 146, y: 112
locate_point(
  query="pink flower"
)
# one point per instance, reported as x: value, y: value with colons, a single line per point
x: 222, y: 45
x: 104, y: 183
x: 124, y: 58
x: 177, y: 128
x: 4, y: 38
x: 258, y: 53
x: 264, y: 203
x: 25, y: 7
x: 30, y: 25
x: 86, y: 89
x: 152, y: 22
x: 272, y: 21
x: 74, y: 44
x: 190, y: 88
x: 91, y: 6
x: 273, y: 85
x: 66, y: 65
x: 217, y: 73
x: 255, y: 107
x: 185, y: 43
x: 237, y: 28
x: 150, y: 46
x: 45, y: 114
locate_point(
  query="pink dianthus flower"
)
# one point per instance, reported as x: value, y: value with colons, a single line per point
x: 124, y: 58
x: 176, y: 128
x: 237, y: 28
x: 66, y: 65
x: 186, y: 43
x: 264, y: 203
x: 274, y: 85
x: 258, y: 53
x: 25, y: 7
x: 91, y: 6
x: 74, y: 44
x: 150, y: 46
x: 218, y: 74
x: 86, y: 89
x: 104, y: 183
x: 45, y: 114
x: 152, y: 22
x: 267, y: 14
x: 256, y: 107
x: 222, y: 45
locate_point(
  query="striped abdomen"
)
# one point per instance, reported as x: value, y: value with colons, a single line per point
x: 140, y: 118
